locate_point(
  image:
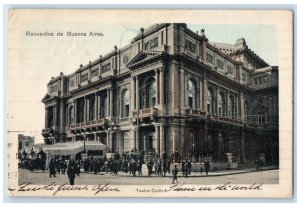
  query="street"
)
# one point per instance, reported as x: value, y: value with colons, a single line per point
x: 38, y: 177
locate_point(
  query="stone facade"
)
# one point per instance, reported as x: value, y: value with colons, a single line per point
x: 170, y: 89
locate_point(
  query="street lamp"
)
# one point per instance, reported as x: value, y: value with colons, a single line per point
x: 84, y: 137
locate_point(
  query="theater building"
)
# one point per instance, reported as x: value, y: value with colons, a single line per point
x: 170, y: 89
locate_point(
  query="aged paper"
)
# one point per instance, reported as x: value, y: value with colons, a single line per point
x: 112, y: 100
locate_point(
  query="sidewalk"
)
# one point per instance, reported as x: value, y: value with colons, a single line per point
x: 195, y: 174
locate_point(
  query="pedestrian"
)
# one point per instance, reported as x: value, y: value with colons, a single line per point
x: 72, y: 170
x: 257, y: 164
x: 175, y: 172
x: 139, y: 167
x: 261, y: 164
x: 77, y: 165
x: 63, y: 166
x: 183, y: 167
x: 189, y: 167
x: 149, y: 167
x: 206, y: 166
x: 52, y: 168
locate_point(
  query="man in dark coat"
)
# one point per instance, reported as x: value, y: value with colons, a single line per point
x: 206, y: 166
x: 52, y: 168
x: 175, y: 172
x: 72, y: 170
x: 183, y: 166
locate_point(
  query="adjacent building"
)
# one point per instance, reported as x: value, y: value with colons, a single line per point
x: 170, y: 90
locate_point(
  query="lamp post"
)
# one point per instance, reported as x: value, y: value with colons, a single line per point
x: 84, y: 137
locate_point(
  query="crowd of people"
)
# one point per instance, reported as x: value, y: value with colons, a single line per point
x: 128, y: 163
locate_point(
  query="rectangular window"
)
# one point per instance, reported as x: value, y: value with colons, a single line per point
x: 260, y: 80
x: 255, y: 79
x: 265, y: 79
x: 261, y: 118
x: 162, y: 37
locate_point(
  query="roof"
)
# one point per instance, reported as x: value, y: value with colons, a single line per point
x: 72, y: 148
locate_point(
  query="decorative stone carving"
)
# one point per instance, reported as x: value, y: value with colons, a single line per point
x: 83, y: 78
x: 210, y: 58
x: 94, y: 73
x: 220, y: 64
x: 190, y: 46
x: 153, y: 43
x: 54, y: 88
x: 125, y: 59
x: 72, y: 83
x: 106, y: 68
x: 229, y: 69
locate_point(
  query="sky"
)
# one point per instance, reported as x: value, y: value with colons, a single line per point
x: 36, y: 59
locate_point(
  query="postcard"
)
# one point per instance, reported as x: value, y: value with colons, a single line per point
x: 150, y: 103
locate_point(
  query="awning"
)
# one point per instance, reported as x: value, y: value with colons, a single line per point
x: 72, y: 148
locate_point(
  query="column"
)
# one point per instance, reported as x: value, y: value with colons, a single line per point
x: 243, y: 157
x: 226, y: 103
x: 145, y: 141
x: 182, y: 89
x: 157, y: 147
x: 162, y: 86
x: 107, y: 101
x: 200, y: 95
x: 217, y: 100
x: 137, y: 140
x: 175, y: 87
x: 134, y: 139
x: 75, y: 112
x: 228, y: 100
x: 84, y: 110
x: 111, y: 104
x: 133, y: 92
x: 204, y: 93
x: 157, y: 87
x: 241, y: 107
x: 62, y: 116
x: 109, y: 140
x: 205, y: 138
x: 99, y: 107
x: 137, y: 97
x: 175, y: 137
x: 84, y: 140
x: 54, y: 116
x: 87, y: 110
x: 96, y: 108
x: 162, y: 140
x: 46, y: 117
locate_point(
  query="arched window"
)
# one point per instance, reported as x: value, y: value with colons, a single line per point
x: 149, y: 93
x: 192, y: 94
x: 210, y: 101
x: 221, y: 104
x: 152, y: 93
x: 231, y: 107
x: 125, y: 103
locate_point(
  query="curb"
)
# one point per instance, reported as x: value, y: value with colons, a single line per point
x: 181, y: 176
